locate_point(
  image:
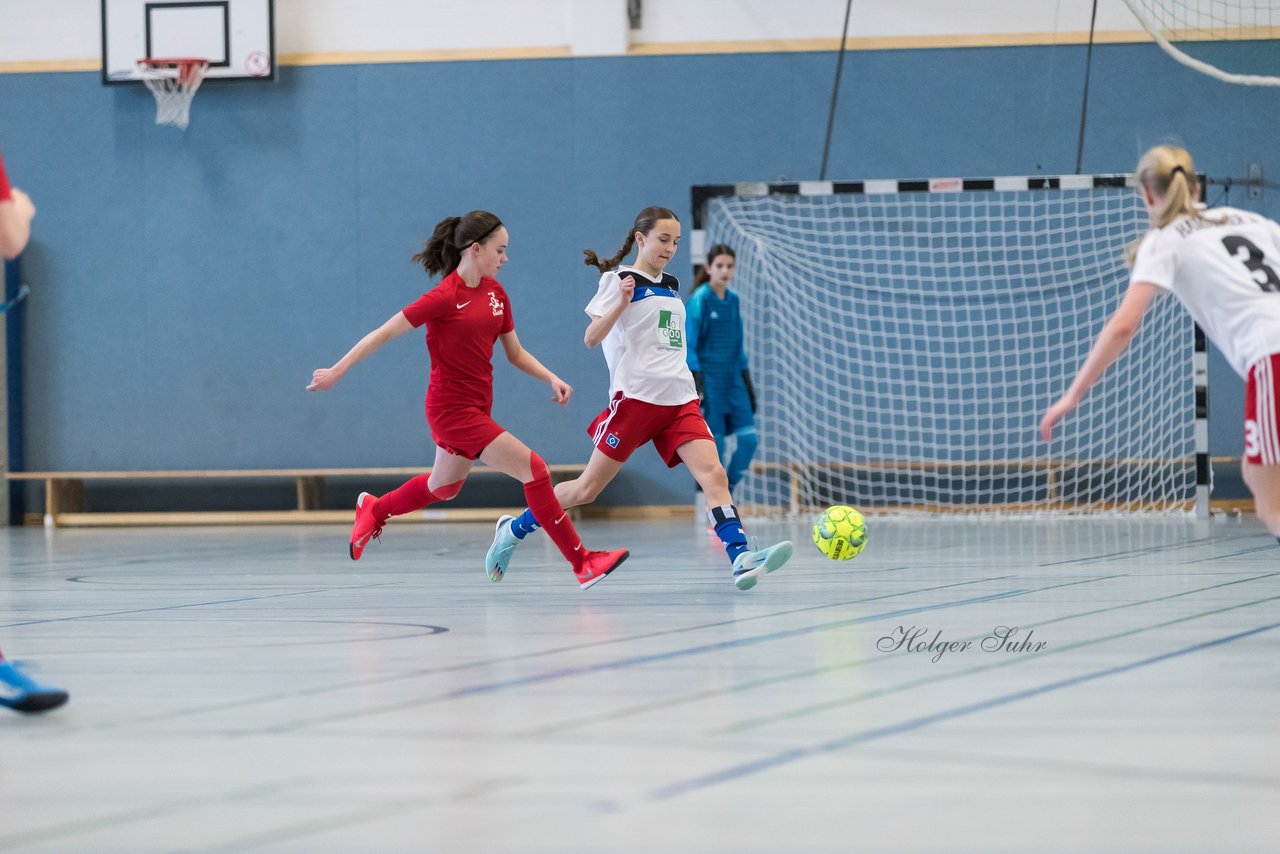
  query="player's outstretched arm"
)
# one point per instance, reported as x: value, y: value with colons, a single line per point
x: 1112, y: 341
x: 324, y: 379
x: 600, y: 324
x: 16, y: 213
x: 524, y: 360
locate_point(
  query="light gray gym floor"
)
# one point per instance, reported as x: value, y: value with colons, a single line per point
x: 252, y: 689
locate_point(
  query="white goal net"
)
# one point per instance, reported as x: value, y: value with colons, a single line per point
x: 904, y: 344
x: 1187, y: 30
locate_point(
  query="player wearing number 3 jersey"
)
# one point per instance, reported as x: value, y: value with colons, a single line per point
x: 1223, y: 264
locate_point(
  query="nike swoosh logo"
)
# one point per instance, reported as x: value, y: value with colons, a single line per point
x: 463, y: 305
x: 561, y: 519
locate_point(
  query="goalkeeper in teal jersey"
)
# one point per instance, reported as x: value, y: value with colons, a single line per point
x: 719, y: 363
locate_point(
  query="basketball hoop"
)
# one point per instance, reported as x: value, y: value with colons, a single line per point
x: 174, y: 83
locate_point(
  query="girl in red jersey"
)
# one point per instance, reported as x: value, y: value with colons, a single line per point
x: 638, y: 317
x: 464, y: 315
x: 17, y: 690
x: 16, y: 212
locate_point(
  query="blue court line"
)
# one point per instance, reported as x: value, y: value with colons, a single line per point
x: 489, y: 662
x: 621, y: 663
x: 778, y: 759
x: 618, y: 664
x: 670, y: 702
x: 1148, y: 550
x: 1013, y: 661
x: 1264, y: 548
x: 188, y: 605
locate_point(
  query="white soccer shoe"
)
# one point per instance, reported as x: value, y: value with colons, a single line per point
x: 750, y: 566
x: 499, y: 554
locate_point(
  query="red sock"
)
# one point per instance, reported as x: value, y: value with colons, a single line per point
x: 413, y: 494
x: 550, y: 515
x: 5, y: 193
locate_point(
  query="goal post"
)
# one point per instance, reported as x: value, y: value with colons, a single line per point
x: 906, y: 337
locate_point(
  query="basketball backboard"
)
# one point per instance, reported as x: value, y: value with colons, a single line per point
x: 236, y: 36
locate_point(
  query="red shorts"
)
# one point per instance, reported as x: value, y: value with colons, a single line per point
x: 1261, y: 414
x: 629, y: 423
x: 463, y: 431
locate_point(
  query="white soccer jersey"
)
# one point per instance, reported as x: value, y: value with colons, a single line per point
x: 645, y: 349
x: 1225, y: 268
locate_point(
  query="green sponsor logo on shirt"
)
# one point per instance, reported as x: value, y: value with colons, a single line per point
x: 670, y: 329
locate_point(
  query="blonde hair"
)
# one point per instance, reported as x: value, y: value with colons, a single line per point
x: 1170, y: 174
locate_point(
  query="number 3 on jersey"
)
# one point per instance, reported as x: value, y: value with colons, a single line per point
x: 1244, y: 251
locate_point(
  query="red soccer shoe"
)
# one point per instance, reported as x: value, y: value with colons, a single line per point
x: 596, y: 565
x: 366, y: 526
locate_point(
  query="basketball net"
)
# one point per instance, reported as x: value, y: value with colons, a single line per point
x: 174, y: 83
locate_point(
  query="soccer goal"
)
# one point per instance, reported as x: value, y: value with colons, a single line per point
x: 1191, y: 32
x: 906, y: 337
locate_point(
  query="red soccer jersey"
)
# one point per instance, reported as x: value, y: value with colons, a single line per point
x: 462, y: 325
x: 5, y: 193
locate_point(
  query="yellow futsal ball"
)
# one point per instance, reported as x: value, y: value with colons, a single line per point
x: 840, y: 532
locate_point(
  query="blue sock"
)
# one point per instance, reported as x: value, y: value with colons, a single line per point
x: 729, y: 529
x: 524, y: 524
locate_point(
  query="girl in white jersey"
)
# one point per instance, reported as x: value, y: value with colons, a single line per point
x: 638, y: 320
x: 1224, y: 265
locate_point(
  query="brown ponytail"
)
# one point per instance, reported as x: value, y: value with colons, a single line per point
x: 703, y: 276
x: 443, y: 251
x: 607, y: 264
x: 644, y: 224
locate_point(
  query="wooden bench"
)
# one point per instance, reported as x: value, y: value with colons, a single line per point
x: 64, y: 496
